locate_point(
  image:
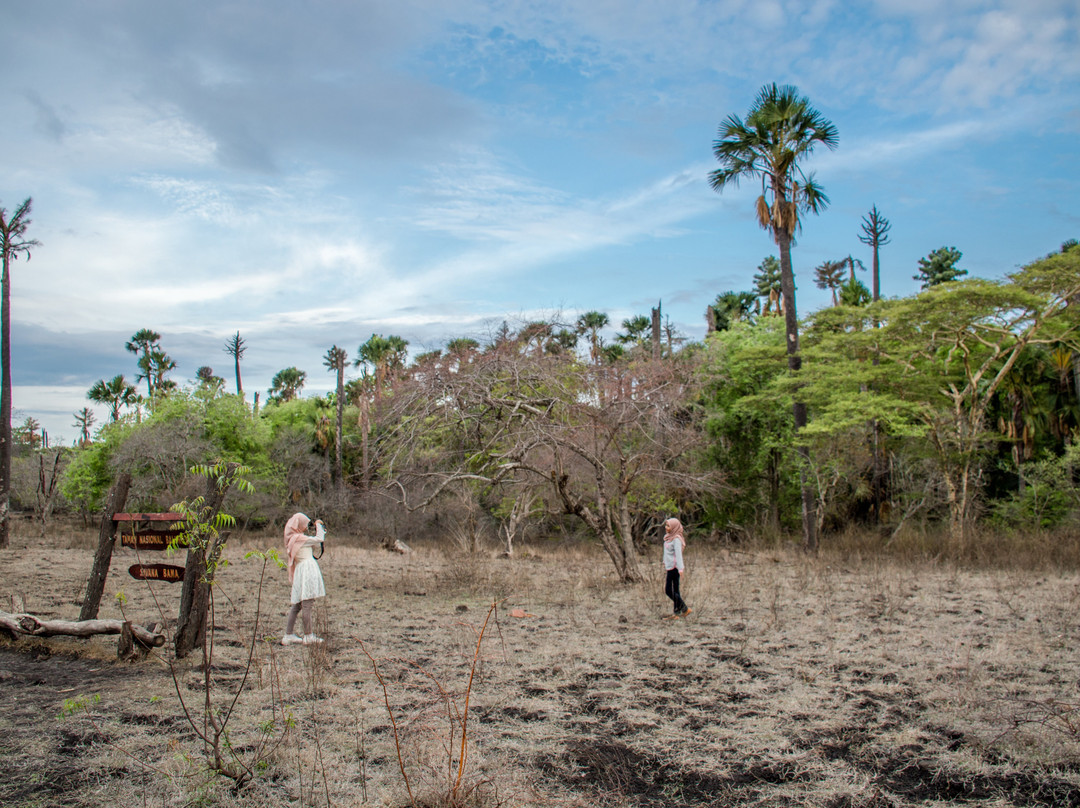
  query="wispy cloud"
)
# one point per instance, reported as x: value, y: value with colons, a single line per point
x: 535, y: 223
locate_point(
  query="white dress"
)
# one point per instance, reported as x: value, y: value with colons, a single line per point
x: 307, y: 577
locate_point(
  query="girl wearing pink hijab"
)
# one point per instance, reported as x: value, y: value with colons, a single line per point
x: 674, y: 541
x: 305, y: 575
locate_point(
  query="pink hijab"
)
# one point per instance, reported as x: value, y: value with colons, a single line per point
x: 294, y: 539
x: 673, y: 529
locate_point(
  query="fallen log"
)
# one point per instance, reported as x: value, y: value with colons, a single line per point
x: 36, y: 627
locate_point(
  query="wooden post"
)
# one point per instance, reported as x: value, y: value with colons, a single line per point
x: 656, y: 332
x: 102, y: 558
x: 195, y: 596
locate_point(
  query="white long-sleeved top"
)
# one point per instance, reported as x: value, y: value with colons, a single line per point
x: 304, y: 552
x: 320, y: 534
x: 673, y: 554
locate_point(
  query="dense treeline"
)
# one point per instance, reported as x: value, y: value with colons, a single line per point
x: 941, y: 411
x: 936, y: 412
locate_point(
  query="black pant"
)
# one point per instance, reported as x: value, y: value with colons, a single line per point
x: 671, y: 589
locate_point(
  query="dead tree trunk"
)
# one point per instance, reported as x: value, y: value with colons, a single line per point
x: 656, y: 332
x: 35, y: 626
x: 47, y: 491
x: 103, y: 557
x: 195, y: 596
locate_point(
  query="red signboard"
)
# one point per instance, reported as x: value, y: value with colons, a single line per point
x: 156, y: 572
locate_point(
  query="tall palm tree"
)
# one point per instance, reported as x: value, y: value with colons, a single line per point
x: 460, y: 351
x: 234, y: 346
x: 875, y: 229
x: 535, y: 336
x: 830, y: 275
x: 141, y: 344
x: 13, y: 243
x: 779, y: 131
x: 287, y: 384
x: 563, y: 341
x: 359, y: 391
x: 399, y: 352
x: 851, y: 263
x: 115, y: 393
x: 731, y: 307
x: 335, y: 361
x: 383, y: 354
x: 158, y: 364
x: 636, y: 330
x: 208, y: 381
x: 590, y: 323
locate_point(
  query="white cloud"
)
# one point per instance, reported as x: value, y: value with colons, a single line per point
x: 535, y: 222
x: 204, y: 200
x: 1006, y: 52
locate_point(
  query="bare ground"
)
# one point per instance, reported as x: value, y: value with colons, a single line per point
x: 794, y: 682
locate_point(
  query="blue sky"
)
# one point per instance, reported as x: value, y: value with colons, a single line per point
x: 310, y: 173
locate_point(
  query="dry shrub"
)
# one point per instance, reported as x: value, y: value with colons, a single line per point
x: 987, y: 547
x: 432, y: 732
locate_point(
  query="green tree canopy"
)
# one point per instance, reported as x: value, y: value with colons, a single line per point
x: 635, y: 330
x: 287, y: 384
x: 940, y: 267
x: 115, y: 393
x: 830, y: 275
x: 732, y: 307
x: 591, y: 323
x: 141, y: 344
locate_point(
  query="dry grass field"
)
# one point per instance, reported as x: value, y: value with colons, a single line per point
x: 794, y: 682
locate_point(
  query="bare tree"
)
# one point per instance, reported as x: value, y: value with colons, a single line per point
x: 513, y: 419
x: 521, y: 508
x: 48, y: 487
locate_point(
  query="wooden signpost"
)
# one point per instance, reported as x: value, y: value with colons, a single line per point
x: 157, y: 572
x: 151, y: 531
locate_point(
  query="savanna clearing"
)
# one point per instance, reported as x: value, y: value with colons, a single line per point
x: 796, y: 681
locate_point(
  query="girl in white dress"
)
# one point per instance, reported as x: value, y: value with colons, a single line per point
x: 306, y: 577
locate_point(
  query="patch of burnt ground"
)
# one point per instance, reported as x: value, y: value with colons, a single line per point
x: 618, y: 774
x: 41, y: 752
x: 916, y: 781
x: 913, y: 776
